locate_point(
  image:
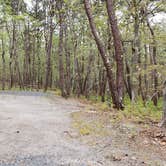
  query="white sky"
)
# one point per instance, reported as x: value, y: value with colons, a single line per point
x: 158, y: 18
x: 29, y: 2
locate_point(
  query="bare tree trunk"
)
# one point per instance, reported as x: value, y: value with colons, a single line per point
x: 102, y: 84
x: 38, y: 60
x: 145, y: 75
x: 48, y: 51
x: 78, y: 76
x: 118, y: 49
x: 33, y: 80
x: 60, y: 50
x: 68, y: 68
x: 117, y: 104
x: 87, y: 77
x: 163, y: 123
x: 3, y: 66
x: 154, y: 61
x: 11, y: 56
x: 27, y: 58
x: 128, y: 80
x: 136, y: 60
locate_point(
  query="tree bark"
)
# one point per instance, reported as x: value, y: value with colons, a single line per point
x: 60, y: 49
x: 163, y: 123
x: 154, y: 61
x: 3, y: 66
x: 87, y: 77
x: 118, y: 49
x: 68, y: 65
x: 114, y: 93
x: 27, y: 58
x: 48, y: 51
x: 38, y: 60
x: 128, y: 80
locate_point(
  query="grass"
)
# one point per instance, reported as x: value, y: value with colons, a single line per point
x: 88, y: 126
x: 140, y: 112
x: 136, y: 111
x: 96, y: 116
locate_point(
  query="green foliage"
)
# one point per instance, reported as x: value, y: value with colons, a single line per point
x: 88, y: 127
x: 140, y: 112
x: 135, y: 111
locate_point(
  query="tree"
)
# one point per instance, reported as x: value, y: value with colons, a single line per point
x: 114, y: 92
x: 60, y: 49
x: 4, y: 65
x: 49, y: 44
x: 118, y: 50
x: 163, y: 123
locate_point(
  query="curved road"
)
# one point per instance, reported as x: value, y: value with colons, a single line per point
x: 33, y: 132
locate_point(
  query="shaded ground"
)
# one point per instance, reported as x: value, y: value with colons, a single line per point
x: 36, y: 130
x: 123, y: 141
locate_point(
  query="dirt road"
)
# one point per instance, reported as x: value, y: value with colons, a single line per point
x: 35, y: 130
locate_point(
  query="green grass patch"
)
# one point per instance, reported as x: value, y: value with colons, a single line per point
x: 85, y: 126
x: 136, y: 111
x: 141, y: 112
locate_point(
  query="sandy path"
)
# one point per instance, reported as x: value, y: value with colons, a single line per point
x: 33, y: 131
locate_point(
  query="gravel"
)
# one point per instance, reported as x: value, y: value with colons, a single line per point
x: 33, y: 129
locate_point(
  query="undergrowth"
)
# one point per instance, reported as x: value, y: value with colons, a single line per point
x: 96, y: 115
x: 136, y: 111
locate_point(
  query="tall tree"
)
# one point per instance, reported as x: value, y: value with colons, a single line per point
x: 163, y: 123
x: 61, y: 48
x: 49, y: 45
x: 115, y: 96
x: 118, y: 50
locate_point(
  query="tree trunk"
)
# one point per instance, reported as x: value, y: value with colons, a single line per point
x: 163, y: 123
x: 118, y: 49
x: 11, y: 56
x: 33, y: 80
x: 115, y: 98
x: 87, y: 77
x: 102, y: 84
x: 154, y: 61
x: 27, y: 58
x: 48, y: 51
x: 128, y: 80
x: 60, y: 50
x: 145, y: 75
x: 68, y: 68
x: 38, y: 60
x: 3, y: 66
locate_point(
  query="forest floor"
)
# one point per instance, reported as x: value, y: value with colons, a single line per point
x: 37, y: 129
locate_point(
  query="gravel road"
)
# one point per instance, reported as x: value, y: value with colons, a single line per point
x: 34, y: 131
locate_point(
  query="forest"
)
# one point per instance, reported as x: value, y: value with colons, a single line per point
x: 90, y: 49
x: 106, y: 52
